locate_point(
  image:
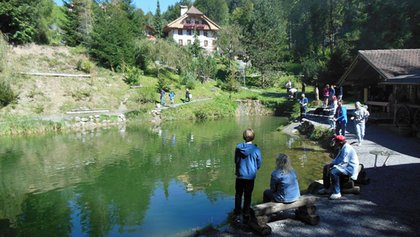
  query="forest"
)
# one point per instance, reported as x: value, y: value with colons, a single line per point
x: 315, y: 40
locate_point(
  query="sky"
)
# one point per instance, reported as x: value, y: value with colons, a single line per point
x: 145, y: 5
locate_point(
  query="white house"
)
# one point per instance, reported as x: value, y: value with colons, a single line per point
x: 182, y: 29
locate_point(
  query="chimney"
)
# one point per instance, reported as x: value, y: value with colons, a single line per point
x: 184, y: 9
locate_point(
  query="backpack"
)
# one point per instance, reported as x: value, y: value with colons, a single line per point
x: 362, y: 176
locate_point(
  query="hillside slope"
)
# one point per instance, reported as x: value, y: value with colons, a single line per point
x: 46, y: 95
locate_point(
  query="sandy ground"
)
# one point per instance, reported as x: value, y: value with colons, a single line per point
x: 388, y: 206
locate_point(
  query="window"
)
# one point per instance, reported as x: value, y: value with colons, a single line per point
x: 206, y: 43
x: 214, y: 42
x: 205, y: 33
x: 188, y: 41
x: 188, y: 32
x: 179, y: 32
x: 180, y: 42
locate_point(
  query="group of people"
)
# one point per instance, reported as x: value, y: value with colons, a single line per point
x: 338, y: 119
x: 188, y: 96
x: 329, y: 93
x: 284, y: 186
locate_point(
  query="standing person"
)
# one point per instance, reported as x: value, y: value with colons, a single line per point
x: 331, y: 94
x: 340, y: 119
x: 172, y: 97
x: 340, y: 93
x: 303, y: 106
x: 247, y: 160
x: 360, y: 117
x: 325, y: 95
x: 316, y: 92
x: 284, y: 186
x: 332, y: 108
x: 346, y: 163
x: 288, y: 86
x: 187, y: 95
x: 162, y: 97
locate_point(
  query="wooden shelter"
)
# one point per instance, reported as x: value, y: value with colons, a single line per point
x: 389, y: 82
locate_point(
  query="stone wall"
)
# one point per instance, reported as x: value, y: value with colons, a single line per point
x: 252, y: 107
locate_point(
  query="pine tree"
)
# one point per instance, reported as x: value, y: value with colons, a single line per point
x: 79, y: 21
x: 112, y: 38
x: 158, y: 22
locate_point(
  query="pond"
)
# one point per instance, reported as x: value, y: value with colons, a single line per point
x: 138, y: 181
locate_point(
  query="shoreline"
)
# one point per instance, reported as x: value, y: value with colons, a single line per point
x: 388, y: 206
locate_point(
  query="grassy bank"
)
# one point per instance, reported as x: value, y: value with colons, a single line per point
x: 22, y: 126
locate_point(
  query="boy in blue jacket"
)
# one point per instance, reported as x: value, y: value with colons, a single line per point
x: 247, y: 161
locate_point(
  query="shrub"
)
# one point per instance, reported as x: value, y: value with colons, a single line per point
x: 84, y: 65
x: 232, y: 84
x: 147, y: 95
x: 132, y: 75
x: 7, y: 96
x: 188, y: 79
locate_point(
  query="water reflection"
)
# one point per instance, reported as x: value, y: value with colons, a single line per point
x: 128, y: 181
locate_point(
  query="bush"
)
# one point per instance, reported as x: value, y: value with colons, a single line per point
x: 147, y: 95
x: 232, y: 84
x: 7, y: 96
x: 84, y: 65
x: 132, y: 75
x: 188, y: 79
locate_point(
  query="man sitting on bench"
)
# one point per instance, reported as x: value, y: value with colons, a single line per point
x: 284, y: 186
x: 345, y: 164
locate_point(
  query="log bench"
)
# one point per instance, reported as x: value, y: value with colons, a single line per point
x: 305, y: 210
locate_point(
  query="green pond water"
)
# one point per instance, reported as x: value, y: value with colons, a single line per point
x: 139, y: 181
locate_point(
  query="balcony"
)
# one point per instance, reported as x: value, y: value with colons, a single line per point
x: 194, y: 26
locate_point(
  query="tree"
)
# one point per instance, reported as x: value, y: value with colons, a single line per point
x: 173, y: 11
x: 229, y: 39
x: 158, y: 22
x: 112, y: 41
x: 216, y: 10
x: 195, y: 47
x: 266, y: 36
x: 24, y: 21
x: 79, y: 22
x: 242, y: 14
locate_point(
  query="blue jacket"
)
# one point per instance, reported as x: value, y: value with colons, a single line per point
x: 285, y: 186
x: 248, y: 160
x: 341, y: 114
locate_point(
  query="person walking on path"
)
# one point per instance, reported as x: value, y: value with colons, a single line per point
x: 360, y: 117
x: 340, y: 119
x: 172, y: 97
x: 247, y: 162
x: 303, y: 106
x: 284, y: 186
x: 162, y: 97
x: 188, y: 95
x: 325, y: 95
x: 346, y: 163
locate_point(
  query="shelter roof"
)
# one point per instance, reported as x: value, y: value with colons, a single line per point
x: 392, y: 66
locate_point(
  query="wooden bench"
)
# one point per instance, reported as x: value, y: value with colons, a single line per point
x: 305, y: 209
